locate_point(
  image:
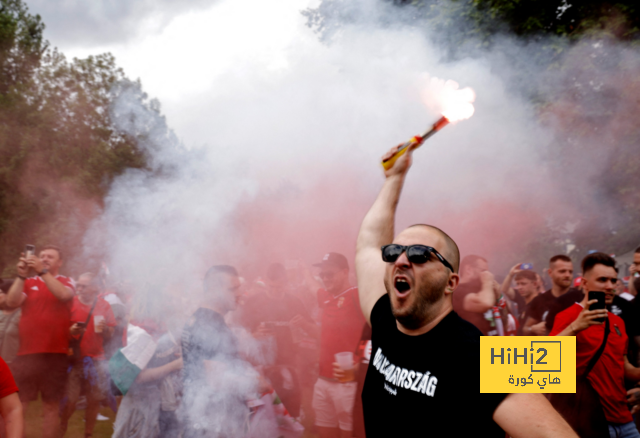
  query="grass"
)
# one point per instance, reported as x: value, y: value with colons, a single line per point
x: 103, y: 429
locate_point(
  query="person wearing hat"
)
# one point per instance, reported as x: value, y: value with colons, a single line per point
x: 340, y: 332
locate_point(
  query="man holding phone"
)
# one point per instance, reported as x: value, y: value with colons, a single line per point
x: 41, y: 365
x: 585, y: 321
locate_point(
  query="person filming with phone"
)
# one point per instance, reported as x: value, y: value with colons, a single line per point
x: 45, y: 297
x: 601, y: 356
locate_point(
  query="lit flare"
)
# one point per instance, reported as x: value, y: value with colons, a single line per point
x: 454, y: 105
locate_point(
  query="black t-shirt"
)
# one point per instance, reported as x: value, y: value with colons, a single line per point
x: 277, y: 313
x: 542, y: 305
x: 426, y: 385
x: 213, y: 404
x: 477, y: 319
x: 524, y: 310
x: 206, y: 336
x: 625, y: 310
x: 559, y: 304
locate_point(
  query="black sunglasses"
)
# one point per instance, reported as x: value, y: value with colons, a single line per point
x: 417, y: 254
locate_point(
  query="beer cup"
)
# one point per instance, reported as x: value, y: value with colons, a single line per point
x: 345, y: 362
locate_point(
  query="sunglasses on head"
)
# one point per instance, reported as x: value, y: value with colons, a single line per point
x: 417, y: 254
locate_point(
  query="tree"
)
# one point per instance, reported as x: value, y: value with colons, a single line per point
x: 59, y: 148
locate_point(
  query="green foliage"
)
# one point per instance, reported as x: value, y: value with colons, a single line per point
x: 59, y: 148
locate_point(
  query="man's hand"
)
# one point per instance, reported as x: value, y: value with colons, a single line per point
x: 262, y: 331
x: 35, y: 263
x: 338, y: 373
x: 76, y: 329
x: 515, y: 270
x: 377, y: 229
x: 22, y: 267
x: 102, y: 327
x: 633, y: 399
x: 298, y: 322
x: 487, y: 277
x: 587, y: 317
x: 402, y: 164
x: 539, y: 329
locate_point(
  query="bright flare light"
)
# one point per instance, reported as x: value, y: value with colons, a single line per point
x: 452, y: 103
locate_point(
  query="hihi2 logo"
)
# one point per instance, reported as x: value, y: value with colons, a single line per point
x: 528, y: 364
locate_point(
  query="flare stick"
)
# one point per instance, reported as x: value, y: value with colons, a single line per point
x: 416, y: 141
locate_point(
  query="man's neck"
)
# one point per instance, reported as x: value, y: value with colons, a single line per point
x: 340, y: 289
x: 557, y: 291
x: 86, y: 303
x: 446, y: 308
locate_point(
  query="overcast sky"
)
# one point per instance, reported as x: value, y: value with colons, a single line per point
x: 178, y: 49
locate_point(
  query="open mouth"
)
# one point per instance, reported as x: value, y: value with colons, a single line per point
x: 402, y: 286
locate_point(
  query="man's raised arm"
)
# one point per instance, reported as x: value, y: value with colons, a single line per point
x: 377, y: 230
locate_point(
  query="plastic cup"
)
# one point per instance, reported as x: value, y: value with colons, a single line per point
x: 97, y: 320
x: 345, y: 361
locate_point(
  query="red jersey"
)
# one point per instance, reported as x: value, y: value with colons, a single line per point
x: 92, y: 342
x: 607, y: 376
x: 45, y: 321
x: 341, y: 326
x: 7, y: 384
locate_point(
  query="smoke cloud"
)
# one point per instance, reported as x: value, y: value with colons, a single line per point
x: 280, y: 161
x: 104, y: 22
x: 289, y: 155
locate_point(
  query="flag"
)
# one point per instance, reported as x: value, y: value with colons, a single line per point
x: 128, y: 361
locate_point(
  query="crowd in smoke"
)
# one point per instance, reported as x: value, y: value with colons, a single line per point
x: 287, y: 171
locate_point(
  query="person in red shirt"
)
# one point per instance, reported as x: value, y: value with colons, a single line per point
x: 10, y: 406
x: 89, y: 372
x: 340, y: 331
x: 610, y: 371
x: 41, y: 365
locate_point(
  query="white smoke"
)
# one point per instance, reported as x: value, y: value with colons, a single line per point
x: 280, y: 160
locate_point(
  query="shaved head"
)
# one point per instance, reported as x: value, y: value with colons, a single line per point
x: 451, y: 251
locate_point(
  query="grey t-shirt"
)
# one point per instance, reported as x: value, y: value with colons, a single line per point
x: 9, y: 338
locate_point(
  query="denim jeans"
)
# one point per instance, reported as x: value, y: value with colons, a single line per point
x: 627, y: 430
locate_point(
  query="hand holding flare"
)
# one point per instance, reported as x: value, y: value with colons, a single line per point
x: 455, y: 104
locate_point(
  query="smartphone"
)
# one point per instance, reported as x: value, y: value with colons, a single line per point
x: 526, y: 266
x: 597, y: 295
x: 81, y: 324
x: 29, y: 250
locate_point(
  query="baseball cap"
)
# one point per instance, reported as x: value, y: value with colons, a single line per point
x: 334, y: 259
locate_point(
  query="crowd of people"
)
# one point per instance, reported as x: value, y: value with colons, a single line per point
x: 377, y: 353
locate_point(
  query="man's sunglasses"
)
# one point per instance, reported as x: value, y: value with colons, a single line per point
x: 417, y: 254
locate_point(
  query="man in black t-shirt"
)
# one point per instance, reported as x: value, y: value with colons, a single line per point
x: 526, y: 286
x: 476, y: 294
x: 423, y: 377
x: 216, y: 380
x: 547, y: 305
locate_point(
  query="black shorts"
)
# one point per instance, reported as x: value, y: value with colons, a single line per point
x: 41, y: 372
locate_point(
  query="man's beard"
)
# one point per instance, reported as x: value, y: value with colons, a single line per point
x: 418, y: 312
